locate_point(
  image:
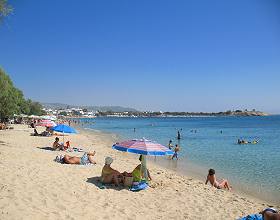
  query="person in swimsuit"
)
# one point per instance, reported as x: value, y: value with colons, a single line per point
x: 136, y: 173
x: 270, y: 214
x: 213, y: 181
x: 110, y: 175
x: 87, y: 158
x: 170, y: 146
x: 178, y: 135
x: 57, y: 145
x: 176, y: 150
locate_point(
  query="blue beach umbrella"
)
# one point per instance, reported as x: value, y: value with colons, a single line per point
x: 64, y: 129
x: 143, y: 147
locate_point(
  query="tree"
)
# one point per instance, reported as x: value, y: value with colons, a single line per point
x: 63, y: 113
x: 9, y: 96
x: 12, y: 100
x: 5, y: 9
x: 35, y: 108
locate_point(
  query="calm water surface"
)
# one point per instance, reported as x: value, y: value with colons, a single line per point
x: 251, y: 168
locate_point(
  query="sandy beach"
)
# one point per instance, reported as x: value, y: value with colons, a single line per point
x: 34, y: 186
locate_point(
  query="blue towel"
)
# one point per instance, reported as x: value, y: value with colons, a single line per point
x: 140, y: 186
x: 252, y: 217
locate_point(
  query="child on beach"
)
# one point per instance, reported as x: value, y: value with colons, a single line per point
x: 212, y: 179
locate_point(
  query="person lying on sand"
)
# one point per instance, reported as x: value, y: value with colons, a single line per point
x: 87, y: 158
x: 110, y: 175
x: 212, y: 179
x: 270, y: 214
x: 266, y: 214
x: 57, y: 145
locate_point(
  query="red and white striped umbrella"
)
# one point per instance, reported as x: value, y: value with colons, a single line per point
x: 143, y: 147
x: 46, y: 123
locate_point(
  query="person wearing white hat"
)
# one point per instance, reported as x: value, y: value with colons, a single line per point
x: 110, y: 175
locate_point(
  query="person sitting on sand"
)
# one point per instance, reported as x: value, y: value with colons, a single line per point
x: 212, y: 179
x: 137, y: 174
x: 36, y: 132
x: 87, y: 158
x: 46, y: 133
x: 56, y: 145
x: 110, y: 175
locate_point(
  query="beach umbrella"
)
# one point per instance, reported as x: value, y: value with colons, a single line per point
x: 64, y: 129
x: 46, y: 123
x: 143, y: 147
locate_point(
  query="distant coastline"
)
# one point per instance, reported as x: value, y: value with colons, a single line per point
x: 118, y: 111
x: 174, y: 114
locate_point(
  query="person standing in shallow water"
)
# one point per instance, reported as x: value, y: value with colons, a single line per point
x: 170, y: 146
x: 176, y: 150
x: 178, y: 135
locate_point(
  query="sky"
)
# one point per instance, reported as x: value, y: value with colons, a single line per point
x: 168, y: 55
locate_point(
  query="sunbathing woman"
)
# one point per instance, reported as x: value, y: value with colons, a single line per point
x: 109, y: 175
x: 87, y: 158
x: 270, y: 214
x: 212, y: 179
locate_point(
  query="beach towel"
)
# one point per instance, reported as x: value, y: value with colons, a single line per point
x: 141, y: 186
x: 252, y: 217
x: 101, y: 185
x: 75, y: 149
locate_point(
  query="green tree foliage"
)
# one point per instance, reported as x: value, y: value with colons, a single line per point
x: 7, y: 96
x: 63, y: 113
x: 12, y: 100
x: 35, y: 108
x: 5, y: 9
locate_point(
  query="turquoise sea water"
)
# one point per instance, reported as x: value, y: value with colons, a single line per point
x: 251, y: 168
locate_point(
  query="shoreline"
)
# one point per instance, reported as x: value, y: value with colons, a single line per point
x: 34, y: 186
x: 194, y: 171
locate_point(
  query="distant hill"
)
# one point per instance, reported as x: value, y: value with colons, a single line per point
x: 90, y: 108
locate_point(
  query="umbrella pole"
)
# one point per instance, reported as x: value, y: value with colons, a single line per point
x: 144, y: 167
x: 63, y: 138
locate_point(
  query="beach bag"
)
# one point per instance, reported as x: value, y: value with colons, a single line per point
x: 128, y: 180
x: 139, y: 186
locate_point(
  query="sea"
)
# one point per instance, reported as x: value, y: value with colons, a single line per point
x: 211, y: 142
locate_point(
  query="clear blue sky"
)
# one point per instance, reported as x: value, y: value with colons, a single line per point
x: 152, y: 55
